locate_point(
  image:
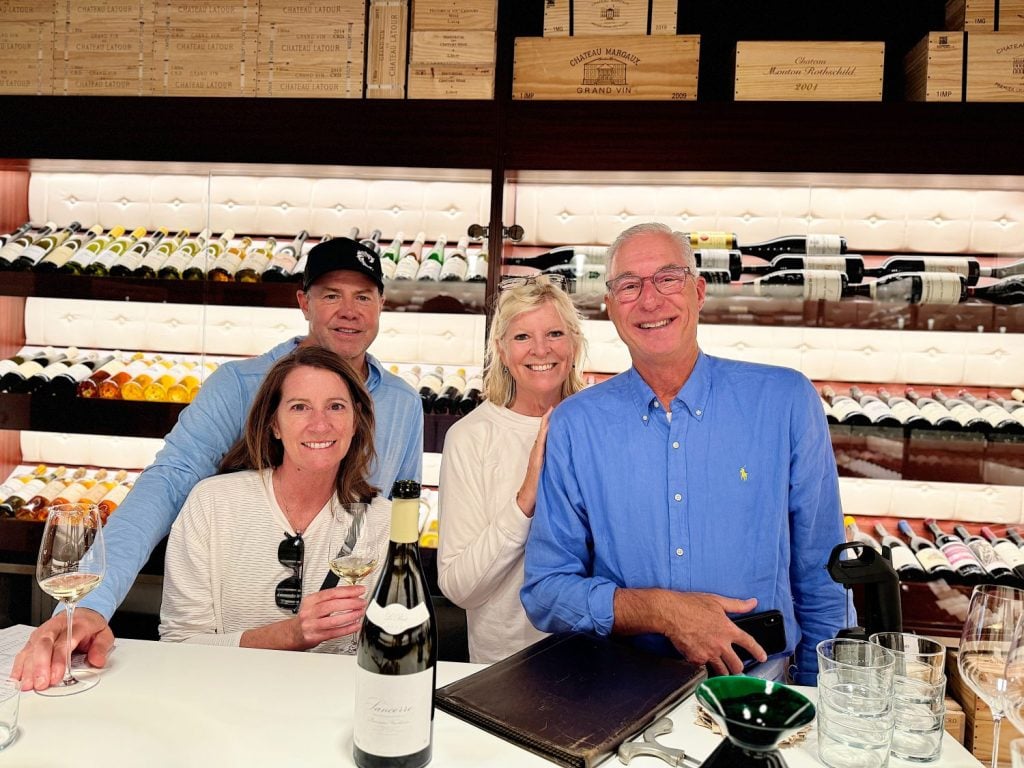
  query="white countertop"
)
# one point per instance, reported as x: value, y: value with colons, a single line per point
x: 163, y: 704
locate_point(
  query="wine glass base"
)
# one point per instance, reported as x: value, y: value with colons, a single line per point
x: 84, y: 680
x: 729, y: 755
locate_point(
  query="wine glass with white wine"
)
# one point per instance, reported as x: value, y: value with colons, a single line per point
x: 71, y: 563
x: 355, y: 542
x: 985, y: 648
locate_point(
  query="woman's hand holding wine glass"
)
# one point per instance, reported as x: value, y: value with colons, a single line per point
x: 71, y: 563
x: 985, y: 648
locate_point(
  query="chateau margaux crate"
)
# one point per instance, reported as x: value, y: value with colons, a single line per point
x: 564, y: 18
x: 985, y: 15
x: 648, y: 67
x: 992, y: 61
x: 777, y: 70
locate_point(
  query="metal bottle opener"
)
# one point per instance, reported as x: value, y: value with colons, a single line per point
x: 650, y: 746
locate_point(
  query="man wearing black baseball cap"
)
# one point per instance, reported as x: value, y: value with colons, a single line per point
x: 342, y: 296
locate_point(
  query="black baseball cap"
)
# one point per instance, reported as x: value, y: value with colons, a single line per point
x: 342, y: 253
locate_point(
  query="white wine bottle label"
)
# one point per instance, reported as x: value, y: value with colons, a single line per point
x: 714, y: 258
x: 155, y: 259
x: 961, y: 411
x: 33, y: 252
x: 987, y: 555
x: 478, y: 267
x: 933, y: 410
x: 836, y: 263
x: 903, y: 558
x: 393, y: 712
x: 8, y: 365
x: 133, y: 258
x: 228, y: 261
x: 823, y: 285
x: 941, y: 288
x: 950, y: 265
x: 396, y: 618
x: 178, y: 260
x: 407, y: 268
x: 904, y: 410
x: 995, y: 414
x: 429, y: 270
x: 58, y: 257
x: 116, y: 494
x: 388, y: 267
x: 842, y: 407
x: 78, y: 371
x: 829, y: 413
x: 824, y: 245
x: 284, y: 260
x: 29, y: 368
x: 1010, y: 553
x: 875, y: 409
x: 109, y: 256
x: 932, y: 559
x: 454, y: 268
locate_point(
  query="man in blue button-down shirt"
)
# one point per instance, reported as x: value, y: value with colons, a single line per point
x: 687, y: 489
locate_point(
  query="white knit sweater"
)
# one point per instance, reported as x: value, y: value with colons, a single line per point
x: 482, y: 530
x: 221, y: 567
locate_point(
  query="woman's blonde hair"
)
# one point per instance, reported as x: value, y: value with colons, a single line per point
x: 499, y: 386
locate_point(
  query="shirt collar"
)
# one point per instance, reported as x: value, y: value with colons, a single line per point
x: 691, y: 398
x: 375, y: 372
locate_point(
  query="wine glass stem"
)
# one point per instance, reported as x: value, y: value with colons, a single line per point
x: 69, y: 679
x: 997, y: 720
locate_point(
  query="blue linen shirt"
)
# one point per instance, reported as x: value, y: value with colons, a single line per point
x: 205, y: 431
x: 737, y: 494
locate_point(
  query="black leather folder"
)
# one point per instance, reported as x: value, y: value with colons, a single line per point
x: 572, y: 698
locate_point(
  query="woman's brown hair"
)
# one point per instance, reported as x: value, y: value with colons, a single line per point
x: 258, y: 449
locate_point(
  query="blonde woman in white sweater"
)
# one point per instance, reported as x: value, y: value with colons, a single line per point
x: 492, y: 460
x: 249, y: 551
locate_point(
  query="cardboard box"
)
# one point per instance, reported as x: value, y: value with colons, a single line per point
x: 936, y: 67
x: 628, y: 67
x: 563, y: 18
x: 387, y: 54
x: 985, y: 15
x: 977, y: 717
x: 809, y: 71
x: 446, y: 14
x: 442, y: 81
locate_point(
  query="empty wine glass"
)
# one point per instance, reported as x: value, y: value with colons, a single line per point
x: 985, y: 644
x: 1014, y: 696
x: 71, y: 564
x: 355, y: 542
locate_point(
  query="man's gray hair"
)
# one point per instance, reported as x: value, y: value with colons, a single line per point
x: 651, y: 228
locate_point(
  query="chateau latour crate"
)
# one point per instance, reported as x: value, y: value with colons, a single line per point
x: 809, y: 71
x: 985, y: 15
x: 992, y: 61
x: 563, y: 18
x: 459, y: 14
x: 26, y: 57
x: 387, y: 49
x: 648, y: 67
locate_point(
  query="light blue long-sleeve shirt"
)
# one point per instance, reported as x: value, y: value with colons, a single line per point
x: 206, y: 430
x: 737, y: 494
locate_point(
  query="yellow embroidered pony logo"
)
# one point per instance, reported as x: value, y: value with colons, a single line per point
x: 743, y: 474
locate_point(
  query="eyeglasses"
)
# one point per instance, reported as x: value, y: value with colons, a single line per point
x: 290, y: 553
x: 668, y: 280
x: 546, y: 278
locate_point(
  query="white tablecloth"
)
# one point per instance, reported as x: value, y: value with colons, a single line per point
x: 161, y: 704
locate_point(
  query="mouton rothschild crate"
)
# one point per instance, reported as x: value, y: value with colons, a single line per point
x: 776, y: 70
x: 640, y: 67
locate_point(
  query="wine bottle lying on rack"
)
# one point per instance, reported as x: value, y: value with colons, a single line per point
x: 1000, y: 419
x: 821, y: 245
x: 14, y: 247
x: 1009, y: 552
x: 963, y: 412
x: 875, y: 408
x: 80, y: 260
x: 968, y: 266
x: 806, y: 284
x: 915, y: 288
x: 282, y: 266
x: 935, y: 412
x: 998, y: 570
x: 960, y: 556
x: 1009, y: 290
x: 35, y: 252
x: 902, y: 557
x: 63, y: 253
x: 934, y: 562
x: 908, y: 414
x: 851, y: 264
x: 23, y: 229
x: 719, y: 259
x: 1007, y: 270
x: 565, y: 255
x: 846, y: 409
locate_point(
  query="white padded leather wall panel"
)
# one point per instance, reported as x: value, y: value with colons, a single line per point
x: 944, y: 501
x: 73, y: 450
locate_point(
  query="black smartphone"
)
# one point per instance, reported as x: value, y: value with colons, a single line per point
x: 767, y: 627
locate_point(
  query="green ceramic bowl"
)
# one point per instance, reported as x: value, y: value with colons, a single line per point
x: 756, y: 714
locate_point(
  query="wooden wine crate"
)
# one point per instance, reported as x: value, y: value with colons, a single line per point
x: 310, y: 61
x: 809, y: 71
x: 223, y: 42
x: 198, y: 76
x: 207, y: 13
x: 27, y: 10
x: 321, y: 13
x: 991, y: 60
x: 387, y: 53
x: 934, y: 68
x: 83, y: 41
x: 955, y: 721
x: 26, y: 40
x: 442, y: 81
x: 29, y: 77
x: 109, y: 75
x: 125, y: 12
x: 657, y: 67
x: 453, y: 46
x: 985, y: 15
x: 977, y: 718
x: 448, y: 15
x: 563, y: 18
